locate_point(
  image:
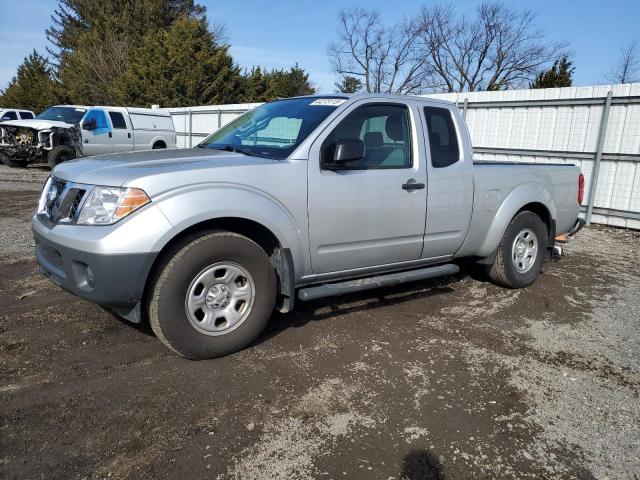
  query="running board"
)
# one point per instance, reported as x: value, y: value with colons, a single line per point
x: 390, y: 279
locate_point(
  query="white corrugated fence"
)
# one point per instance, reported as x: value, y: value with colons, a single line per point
x: 597, y: 128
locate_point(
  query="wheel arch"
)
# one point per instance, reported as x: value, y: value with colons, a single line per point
x: 527, y: 197
x: 280, y: 256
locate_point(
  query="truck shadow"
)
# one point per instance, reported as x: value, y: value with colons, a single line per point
x: 327, y: 308
x: 421, y: 465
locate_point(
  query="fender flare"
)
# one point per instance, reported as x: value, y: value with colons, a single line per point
x: 232, y: 201
x: 519, y: 197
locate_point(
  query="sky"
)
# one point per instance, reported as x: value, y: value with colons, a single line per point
x: 279, y: 33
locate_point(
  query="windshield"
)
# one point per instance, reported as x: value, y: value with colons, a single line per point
x: 275, y: 129
x: 63, y: 114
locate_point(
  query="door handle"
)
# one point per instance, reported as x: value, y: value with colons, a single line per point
x: 86, y: 140
x: 110, y: 135
x: 128, y: 135
x: 413, y: 186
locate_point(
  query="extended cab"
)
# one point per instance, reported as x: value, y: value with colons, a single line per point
x: 65, y: 132
x: 15, y: 114
x: 299, y: 198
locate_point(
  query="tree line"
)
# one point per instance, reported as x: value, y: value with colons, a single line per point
x: 139, y: 53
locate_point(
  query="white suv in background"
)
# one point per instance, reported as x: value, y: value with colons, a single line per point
x: 15, y: 114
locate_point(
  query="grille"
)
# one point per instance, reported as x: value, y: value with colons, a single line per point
x: 61, y: 202
x: 73, y: 211
x: 53, y: 199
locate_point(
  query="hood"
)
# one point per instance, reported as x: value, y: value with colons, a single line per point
x: 138, y: 169
x: 36, y: 124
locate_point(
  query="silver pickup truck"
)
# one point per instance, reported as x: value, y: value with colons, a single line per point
x: 300, y: 198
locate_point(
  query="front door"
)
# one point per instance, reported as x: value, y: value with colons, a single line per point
x: 371, y: 211
x: 96, y: 141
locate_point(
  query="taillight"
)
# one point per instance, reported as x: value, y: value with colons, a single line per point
x: 580, y: 189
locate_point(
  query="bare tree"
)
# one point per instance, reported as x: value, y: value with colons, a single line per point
x: 385, y: 58
x: 499, y: 48
x: 627, y: 67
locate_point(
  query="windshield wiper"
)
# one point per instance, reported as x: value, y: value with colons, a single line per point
x: 231, y: 148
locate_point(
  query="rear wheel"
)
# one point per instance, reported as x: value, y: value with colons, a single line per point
x: 212, y: 296
x: 59, y: 154
x: 521, y: 252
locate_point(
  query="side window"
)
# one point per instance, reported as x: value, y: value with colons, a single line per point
x: 102, y: 125
x: 383, y: 130
x: 26, y: 115
x: 117, y: 119
x: 10, y: 116
x: 443, y: 141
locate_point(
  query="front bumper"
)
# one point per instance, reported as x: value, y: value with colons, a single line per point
x: 115, y: 281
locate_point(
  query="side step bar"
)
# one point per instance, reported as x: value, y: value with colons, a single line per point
x: 390, y: 279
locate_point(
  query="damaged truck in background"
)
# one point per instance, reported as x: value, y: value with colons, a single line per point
x: 66, y: 132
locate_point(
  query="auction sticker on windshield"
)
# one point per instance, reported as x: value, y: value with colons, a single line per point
x: 328, y: 102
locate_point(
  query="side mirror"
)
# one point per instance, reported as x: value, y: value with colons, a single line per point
x: 90, y: 124
x: 345, y: 151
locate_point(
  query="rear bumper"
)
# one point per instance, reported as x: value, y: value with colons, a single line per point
x: 580, y: 223
x: 115, y: 281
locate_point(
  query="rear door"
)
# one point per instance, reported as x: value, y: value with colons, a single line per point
x: 450, y: 169
x: 373, y: 211
x: 98, y: 140
x: 122, y: 133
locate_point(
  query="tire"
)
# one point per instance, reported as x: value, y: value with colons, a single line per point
x: 158, y: 146
x: 208, y: 271
x: 521, y: 252
x: 59, y: 154
x: 14, y: 163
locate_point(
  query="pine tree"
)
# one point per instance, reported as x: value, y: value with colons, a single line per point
x: 559, y: 75
x: 349, y: 84
x: 293, y: 83
x: 263, y: 86
x: 94, y: 42
x: 182, y: 65
x: 73, y: 19
x: 256, y: 86
x: 33, y: 87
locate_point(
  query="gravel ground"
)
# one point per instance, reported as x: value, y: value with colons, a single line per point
x: 449, y: 379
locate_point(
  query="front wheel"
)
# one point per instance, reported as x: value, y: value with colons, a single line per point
x: 521, y: 252
x: 212, y: 296
x: 59, y: 154
x: 9, y: 162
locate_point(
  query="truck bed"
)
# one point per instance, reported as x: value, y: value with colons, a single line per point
x: 496, y: 183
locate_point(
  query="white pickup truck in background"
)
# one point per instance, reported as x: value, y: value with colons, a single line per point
x: 15, y: 114
x: 64, y: 132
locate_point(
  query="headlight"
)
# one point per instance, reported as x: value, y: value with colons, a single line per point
x: 107, y: 205
x: 43, y: 196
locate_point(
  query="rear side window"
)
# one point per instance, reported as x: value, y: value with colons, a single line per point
x: 443, y: 141
x: 9, y: 116
x: 26, y: 115
x: 117, y: 119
